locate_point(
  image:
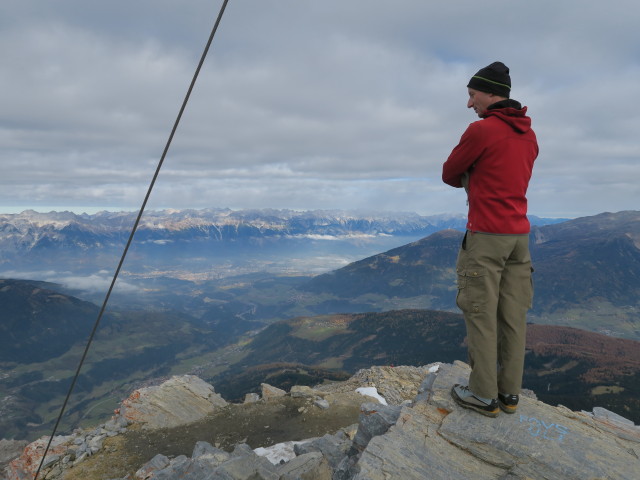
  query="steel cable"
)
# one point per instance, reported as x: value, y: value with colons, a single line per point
x: 133, y: 231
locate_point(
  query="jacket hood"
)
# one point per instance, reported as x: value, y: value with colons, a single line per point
x: 512, y: 113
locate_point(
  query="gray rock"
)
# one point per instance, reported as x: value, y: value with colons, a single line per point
x: 78, y: 449
x: 280, y: 452
x: 157, y: 463
x: 208, y: 457
x: 375, y: 419
x: 201, y: 468
x: 395, y: 384
x: 209, y: 462
x: 269, y: 391
x: 302, y: 391
x: 10, y: 449
x: 436, y: 439
x: 179, y: 467
x: 308, y: 466
x: 111, y: 426
x: 332, y: 447
x: 26, y: 464
x: 95, y: 443
x: 428, y: 437
x: 425, y: 389
x: 242, y: 450
x: 251, y: 398
x: 80, y: 458
x: 604, y: 414
x: 321, y: 403
x: 52, y: 471
x: 50, y: 460
x: 203, y: 448
x: 347, y: 468
x: 178, y: 401
x: 116, y: 424
x: 244, y: 464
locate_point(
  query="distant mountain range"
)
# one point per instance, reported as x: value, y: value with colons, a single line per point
x: 194, y: 241
x: 586, y: 269
x: 33, y: 231
x: 30, y: 230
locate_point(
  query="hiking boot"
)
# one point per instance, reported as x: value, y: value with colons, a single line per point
x: 467, y: 399
x: 508, y: 403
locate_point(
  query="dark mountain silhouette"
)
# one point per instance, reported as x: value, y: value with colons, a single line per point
x: 578, y: 264
x: 587, y: 259
x: 564, y: 365
x: 425, y: 267
x: 43, y: 333
x: 37, y: 322
x: 580, y: 369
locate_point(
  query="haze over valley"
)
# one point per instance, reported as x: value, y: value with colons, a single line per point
x: 234, y: 296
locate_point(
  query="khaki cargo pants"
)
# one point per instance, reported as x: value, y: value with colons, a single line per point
x: 495, y: 290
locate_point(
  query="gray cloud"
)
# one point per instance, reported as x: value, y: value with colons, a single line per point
x: 306, y: 104
x: 95, y: 283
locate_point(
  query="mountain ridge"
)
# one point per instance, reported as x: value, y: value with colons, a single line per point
x: 585, y: 268
x: 206, y: 243
x: 29, y: 238
x: 215, y: 315
x: 564, y: 365
x: 569, y: 363
x: 33, y: 312
x: 408, y: 428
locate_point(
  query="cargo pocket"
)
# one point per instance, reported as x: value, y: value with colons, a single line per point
x: 532, y: 291
x: 472, y: 297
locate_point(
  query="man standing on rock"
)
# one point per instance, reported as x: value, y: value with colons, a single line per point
x: 493, y: 162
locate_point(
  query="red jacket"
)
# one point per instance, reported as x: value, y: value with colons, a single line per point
x: 498, y: 153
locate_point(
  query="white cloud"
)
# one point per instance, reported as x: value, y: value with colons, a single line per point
x: 306, y: 104
x: 97, y: 282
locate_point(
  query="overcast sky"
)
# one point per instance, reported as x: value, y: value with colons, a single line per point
x: 308, y: 104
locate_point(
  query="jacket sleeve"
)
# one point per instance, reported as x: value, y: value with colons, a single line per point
x: 463, y: 156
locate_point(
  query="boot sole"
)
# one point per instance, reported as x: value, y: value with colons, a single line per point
x: 508, y: 408
x: 470, y: 406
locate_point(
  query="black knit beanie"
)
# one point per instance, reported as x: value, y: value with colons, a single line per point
x: 492, y: 79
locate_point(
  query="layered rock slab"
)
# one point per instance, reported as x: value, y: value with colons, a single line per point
x: 178, y: 401
x: 421, y: 434
x: 436, y: 439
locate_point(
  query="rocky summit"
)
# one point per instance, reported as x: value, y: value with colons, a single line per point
x: 178, y: 401
x: 406, y: 427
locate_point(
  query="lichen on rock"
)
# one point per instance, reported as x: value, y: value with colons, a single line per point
x: 179, y: 400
